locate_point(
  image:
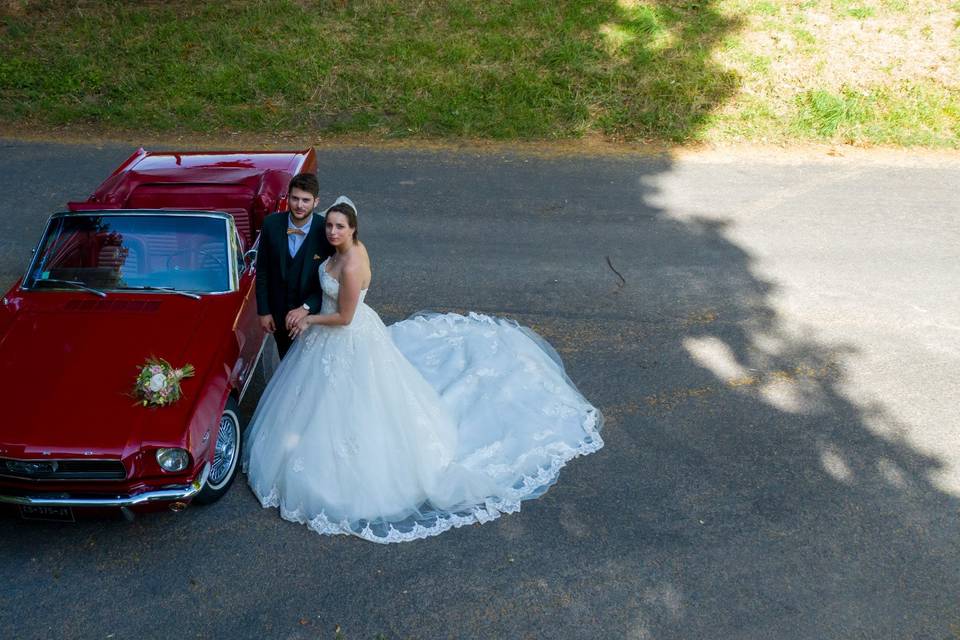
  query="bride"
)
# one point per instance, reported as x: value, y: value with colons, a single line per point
x: 402, y: 432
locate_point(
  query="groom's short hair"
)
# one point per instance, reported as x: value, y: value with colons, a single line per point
x: 306, y: 182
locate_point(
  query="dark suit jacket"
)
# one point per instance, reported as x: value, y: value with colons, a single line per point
x: 272, y: 266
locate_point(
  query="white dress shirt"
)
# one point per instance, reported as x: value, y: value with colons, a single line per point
x: 295, y: 240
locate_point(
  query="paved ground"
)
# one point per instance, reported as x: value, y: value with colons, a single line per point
x: 774, y: 344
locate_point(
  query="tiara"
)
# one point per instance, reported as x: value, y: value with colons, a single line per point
x: 342, y: 200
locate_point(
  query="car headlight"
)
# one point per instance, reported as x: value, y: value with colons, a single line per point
x: 173, y: 460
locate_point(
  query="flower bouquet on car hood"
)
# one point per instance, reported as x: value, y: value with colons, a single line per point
x: 158, y: 383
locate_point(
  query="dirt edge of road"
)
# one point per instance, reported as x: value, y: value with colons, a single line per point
x: 593, y: 146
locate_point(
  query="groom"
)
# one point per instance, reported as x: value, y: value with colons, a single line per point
x: 292, y: 246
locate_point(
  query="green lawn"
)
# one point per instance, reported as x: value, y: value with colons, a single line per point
x: 864, y: 72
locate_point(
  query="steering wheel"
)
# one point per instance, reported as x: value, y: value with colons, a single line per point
x: 194, y: 256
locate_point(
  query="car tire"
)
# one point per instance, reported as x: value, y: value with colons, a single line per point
x: 226, y: 458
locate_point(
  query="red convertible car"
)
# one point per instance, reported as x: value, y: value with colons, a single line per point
x: 157, y: 263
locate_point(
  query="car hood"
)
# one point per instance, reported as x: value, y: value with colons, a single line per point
x: 68, y: 374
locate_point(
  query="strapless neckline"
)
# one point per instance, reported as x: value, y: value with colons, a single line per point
x: 324, y: 272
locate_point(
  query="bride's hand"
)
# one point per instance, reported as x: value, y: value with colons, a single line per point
x: 299, y: 327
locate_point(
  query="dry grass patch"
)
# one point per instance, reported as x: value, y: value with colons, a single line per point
x: 862, y: 72
x: 815, y: 45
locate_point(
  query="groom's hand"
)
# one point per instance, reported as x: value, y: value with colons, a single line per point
x: 295, y: 316
x: 267, y: 324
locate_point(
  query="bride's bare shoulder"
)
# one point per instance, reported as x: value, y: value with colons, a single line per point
x: 362, y: 254
x: 359, y: 263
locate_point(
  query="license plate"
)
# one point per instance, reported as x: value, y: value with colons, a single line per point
x: 58, y: 514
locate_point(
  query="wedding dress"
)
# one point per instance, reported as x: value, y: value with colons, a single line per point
x: 399, y: 433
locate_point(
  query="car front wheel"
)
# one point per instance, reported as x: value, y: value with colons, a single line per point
x: 226, y: 455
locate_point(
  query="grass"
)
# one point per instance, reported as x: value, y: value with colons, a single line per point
x: 674, y: 71
x: 880, y: 72
x: 824, y: 113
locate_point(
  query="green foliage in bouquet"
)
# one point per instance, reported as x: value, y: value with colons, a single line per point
x: 158, y: 383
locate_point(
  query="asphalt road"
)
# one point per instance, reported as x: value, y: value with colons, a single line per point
x: 773, y: 342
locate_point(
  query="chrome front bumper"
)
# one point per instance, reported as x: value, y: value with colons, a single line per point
x: 169, y: 494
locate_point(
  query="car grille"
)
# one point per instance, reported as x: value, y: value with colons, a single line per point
x: 62, y: 469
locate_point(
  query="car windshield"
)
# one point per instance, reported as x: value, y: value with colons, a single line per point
x: 115, y: 252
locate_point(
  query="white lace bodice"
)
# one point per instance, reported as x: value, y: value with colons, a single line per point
x: 331, y: 289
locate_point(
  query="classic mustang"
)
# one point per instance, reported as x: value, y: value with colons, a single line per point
x: 157, y: 263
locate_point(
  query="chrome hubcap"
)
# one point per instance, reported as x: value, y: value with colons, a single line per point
x: 225, y: 451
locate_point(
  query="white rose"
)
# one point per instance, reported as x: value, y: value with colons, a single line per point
x: 157, y: 382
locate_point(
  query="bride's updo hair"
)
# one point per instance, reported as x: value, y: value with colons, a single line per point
x: 347, y: 210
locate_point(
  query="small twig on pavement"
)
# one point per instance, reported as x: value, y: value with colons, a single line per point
x: 623, y: 280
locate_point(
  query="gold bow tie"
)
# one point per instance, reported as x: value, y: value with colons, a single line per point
x: 293, y: 231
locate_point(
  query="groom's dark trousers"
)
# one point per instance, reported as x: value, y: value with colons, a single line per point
x: 285, y: 282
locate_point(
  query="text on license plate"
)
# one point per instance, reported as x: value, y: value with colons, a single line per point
x: 37, y: 512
